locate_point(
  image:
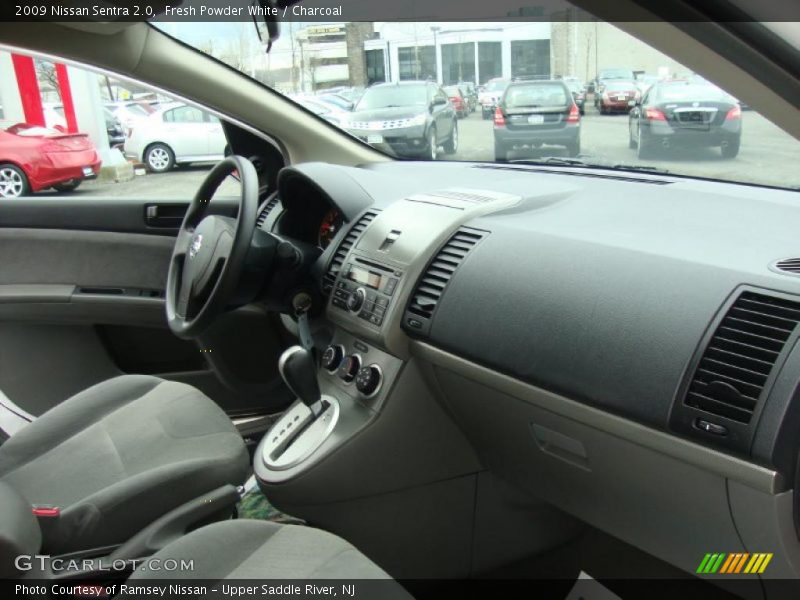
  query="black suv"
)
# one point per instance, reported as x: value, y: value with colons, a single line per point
x: 533, y: 113
x: 411, y: 118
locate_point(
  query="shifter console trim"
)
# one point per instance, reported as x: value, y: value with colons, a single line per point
x: 297, y: 434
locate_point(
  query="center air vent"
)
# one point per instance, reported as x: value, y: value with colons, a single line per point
x: 734, y: 373
x: 268, y: 208
x: 344, y: 247
x: 788, y: 265
x: 437, y: 275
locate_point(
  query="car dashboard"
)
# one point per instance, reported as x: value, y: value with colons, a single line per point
x: 621, y: 345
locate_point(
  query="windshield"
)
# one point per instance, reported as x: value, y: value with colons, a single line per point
x: 393, y: 96
x: 371, y: 66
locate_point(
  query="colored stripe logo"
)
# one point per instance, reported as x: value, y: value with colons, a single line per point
x: 734, y: 563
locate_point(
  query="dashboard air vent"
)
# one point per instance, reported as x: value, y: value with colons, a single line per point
x: 344, y: 247
x: 789, y: 265
x: 437, y: 275
x: 268, y: 208
x: 732, y: 374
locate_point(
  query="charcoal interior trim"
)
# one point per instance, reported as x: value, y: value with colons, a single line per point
x: 755, y: 476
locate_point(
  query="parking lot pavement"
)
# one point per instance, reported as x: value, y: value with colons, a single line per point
x: 767, y: 155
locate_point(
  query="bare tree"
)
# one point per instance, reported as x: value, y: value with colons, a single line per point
x: 46, y: 74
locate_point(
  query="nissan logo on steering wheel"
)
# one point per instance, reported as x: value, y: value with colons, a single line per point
x: 197, y: 243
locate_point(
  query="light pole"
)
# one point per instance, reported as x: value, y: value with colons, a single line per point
x: 435, y: 29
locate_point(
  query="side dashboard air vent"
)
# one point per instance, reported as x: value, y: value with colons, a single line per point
x: 268, y: 208
x: 344, y: 248
x: 434, y: 280
x: 788, y: 265
x: 731, y: 378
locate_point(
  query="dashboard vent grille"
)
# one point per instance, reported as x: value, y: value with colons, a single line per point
x: 434, y: 280
x: 736, y: 365
x: 344, y: 248
x: 268, y: 208
x: 789, y: 265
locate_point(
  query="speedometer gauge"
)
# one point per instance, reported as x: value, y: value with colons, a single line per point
x: 329, y: 227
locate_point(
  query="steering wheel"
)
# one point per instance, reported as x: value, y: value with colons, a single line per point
x: 210, y: 252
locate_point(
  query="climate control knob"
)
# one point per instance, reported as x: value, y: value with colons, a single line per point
x: 356, y: 300
x: 332, y: 357
x: 349, y: 368
x: 368, y: 380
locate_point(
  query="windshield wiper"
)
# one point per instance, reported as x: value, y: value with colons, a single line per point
x: 579, y: 162
x: 552, y: 160
x: 648, y: 168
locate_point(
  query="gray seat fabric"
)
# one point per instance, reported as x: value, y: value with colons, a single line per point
x: 250, y: 549
x: 119, y: 455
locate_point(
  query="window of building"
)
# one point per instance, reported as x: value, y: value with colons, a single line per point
x: 530, y: 59
x: 458, y: 62
x: 490, y: 60
x: 417, y: 62
x: 376, y: 67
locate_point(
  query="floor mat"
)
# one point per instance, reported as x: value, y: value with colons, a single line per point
x: 254, y: 505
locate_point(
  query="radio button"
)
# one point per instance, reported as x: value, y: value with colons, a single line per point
x: 388, y: 289
x: 356, y: 300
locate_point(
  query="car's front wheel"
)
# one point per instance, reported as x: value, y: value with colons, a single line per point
x: 432, y: 148
x: 451, y: 145
x: 68, y: 186
x: 13, y: 182
x: 159, y: 158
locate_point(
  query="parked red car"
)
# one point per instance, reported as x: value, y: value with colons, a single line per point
x: 34, y: 158
x: 616, y: 95
x: 458, y: 100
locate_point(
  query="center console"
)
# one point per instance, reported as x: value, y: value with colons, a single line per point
x: 370, y: 278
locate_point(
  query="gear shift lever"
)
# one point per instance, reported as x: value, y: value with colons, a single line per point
x: 299, y: 371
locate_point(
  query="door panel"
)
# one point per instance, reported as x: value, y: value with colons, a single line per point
x: 82, y: 299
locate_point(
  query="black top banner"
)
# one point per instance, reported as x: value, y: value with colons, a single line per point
x: 400, y: 10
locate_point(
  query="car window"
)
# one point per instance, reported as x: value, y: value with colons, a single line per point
x: 145, y: 154
x: 384, y: 59
x: 535, y: 95
x: 393, y: 95
x: 676, y: 92
x: 184, y: 114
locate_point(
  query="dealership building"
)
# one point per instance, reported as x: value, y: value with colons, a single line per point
x: 360, y: 54
x: 366, y: 53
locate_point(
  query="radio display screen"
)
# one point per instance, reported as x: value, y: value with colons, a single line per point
x: 364, y: 277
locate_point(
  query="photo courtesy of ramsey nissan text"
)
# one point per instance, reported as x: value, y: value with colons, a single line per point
x: 392, y: 300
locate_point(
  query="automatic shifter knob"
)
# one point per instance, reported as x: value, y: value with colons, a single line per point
x: 299, y: 371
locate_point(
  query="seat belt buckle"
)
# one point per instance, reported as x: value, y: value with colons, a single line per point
x: 46, y: 511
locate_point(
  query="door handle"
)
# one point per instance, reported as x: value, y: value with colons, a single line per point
x: 165, y: 216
